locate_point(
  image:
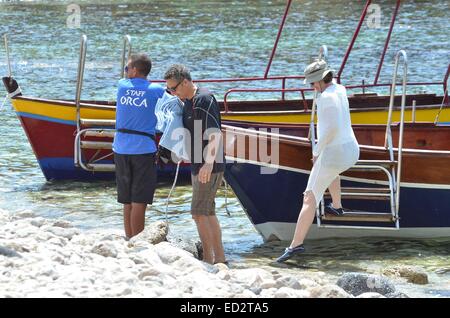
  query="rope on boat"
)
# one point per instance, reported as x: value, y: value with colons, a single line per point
x: 442, y: 105
x: 171, y: 190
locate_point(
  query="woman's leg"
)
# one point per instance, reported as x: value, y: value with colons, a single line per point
x: 335, y: 191
x: 305, y: 219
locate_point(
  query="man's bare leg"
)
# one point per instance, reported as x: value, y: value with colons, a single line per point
x: 137, y: 217
x: 216, y: 239
x: 204, y: 231
x: 127, y: 220
x: 305, y: 219
x: 335, y: 191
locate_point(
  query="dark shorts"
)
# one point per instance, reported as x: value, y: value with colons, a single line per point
x: 204, y: 194
x: 135, y: 178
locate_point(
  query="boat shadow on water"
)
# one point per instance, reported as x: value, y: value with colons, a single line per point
x: 363, y: 254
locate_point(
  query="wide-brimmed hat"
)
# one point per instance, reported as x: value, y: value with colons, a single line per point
x: 316, y: 71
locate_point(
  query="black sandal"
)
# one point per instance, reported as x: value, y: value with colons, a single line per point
x: 289, y: 252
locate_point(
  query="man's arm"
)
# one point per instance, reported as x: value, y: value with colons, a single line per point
x: 214, y: 134
x: 210, y: 154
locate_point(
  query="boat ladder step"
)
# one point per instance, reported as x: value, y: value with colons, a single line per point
x: 97, y: 122
x: 360, y: 216
x: 352, y: 193
x: 89, y: 161
x: 101, y: 167
x: 385, y: 193
x: 382, y: 163
x: 100, y: 133
x: 96, y: 145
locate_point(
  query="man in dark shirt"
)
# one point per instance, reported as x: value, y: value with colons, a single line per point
x: 201, y: 119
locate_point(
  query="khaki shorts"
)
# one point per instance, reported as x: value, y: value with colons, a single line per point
x: 203, y: 194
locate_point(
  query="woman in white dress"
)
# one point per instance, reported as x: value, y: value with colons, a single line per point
x: 335, y: 152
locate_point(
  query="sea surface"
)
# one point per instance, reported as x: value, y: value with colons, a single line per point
x: 216, y: 39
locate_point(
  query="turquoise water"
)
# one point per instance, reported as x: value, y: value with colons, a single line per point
x: 216, y: 39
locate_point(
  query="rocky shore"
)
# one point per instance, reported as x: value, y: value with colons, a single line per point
x: 51, y: 258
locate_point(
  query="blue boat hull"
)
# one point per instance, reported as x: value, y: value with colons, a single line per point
x: 273, y: 201
x: 64, y: 169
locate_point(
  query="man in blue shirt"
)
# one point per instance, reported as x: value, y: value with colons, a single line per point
x: 134, y: 143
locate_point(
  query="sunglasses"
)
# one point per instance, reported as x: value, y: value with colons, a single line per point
x: 173, y: 89
x: 126, y: 69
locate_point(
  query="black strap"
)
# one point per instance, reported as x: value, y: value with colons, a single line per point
x: 135, y: 132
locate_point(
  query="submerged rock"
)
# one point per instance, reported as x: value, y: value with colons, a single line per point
x: 359, y: 283
x: 413, y: 274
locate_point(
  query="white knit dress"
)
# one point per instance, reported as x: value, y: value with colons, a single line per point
x: 337, y: 149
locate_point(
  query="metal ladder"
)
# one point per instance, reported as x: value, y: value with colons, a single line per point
x: 391, y: 168
x: 97, y: 128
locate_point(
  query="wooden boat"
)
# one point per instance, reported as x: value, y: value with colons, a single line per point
x: 397, y: 189
x: 273, y: 201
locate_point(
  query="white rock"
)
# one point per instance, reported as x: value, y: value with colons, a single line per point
x: 62, y: 232
x: 268, y: 293
x: 58, y: 241
x: 224, y: 275
x: 38, y: 221
x: 189, y: 264
x: 288, y: 281
x: 106, y: 249
x: 153, y: 233
x: 149, y: 272
x: 23, y: 215
x: 285, y: 292
x: 329, y: 291
x: 63, y: 223
x: 268, y: 283
x: 251, y: 277
x: 245, y: 294
x: 306, y: 283
x: 169, y: 253
x: 221, y: 267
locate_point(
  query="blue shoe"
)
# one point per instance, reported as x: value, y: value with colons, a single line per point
x: 289, y: 252
x: 332, y: 210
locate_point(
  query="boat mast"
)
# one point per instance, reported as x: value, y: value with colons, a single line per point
x: 386, y: 44
x: 288, y: 5
x: 352, y: 42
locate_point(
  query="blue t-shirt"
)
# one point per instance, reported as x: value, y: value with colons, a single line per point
x: 135, y: 110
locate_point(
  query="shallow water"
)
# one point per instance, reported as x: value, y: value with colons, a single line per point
x: 217, y: 39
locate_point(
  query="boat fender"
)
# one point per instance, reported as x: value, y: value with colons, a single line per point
x: 12, y: 87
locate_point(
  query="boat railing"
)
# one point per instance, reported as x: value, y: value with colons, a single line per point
x: 388, y: 136
x: 126, y: 52
x: 284, y: 90
x: 266, y: 90
x: 80, y: 75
